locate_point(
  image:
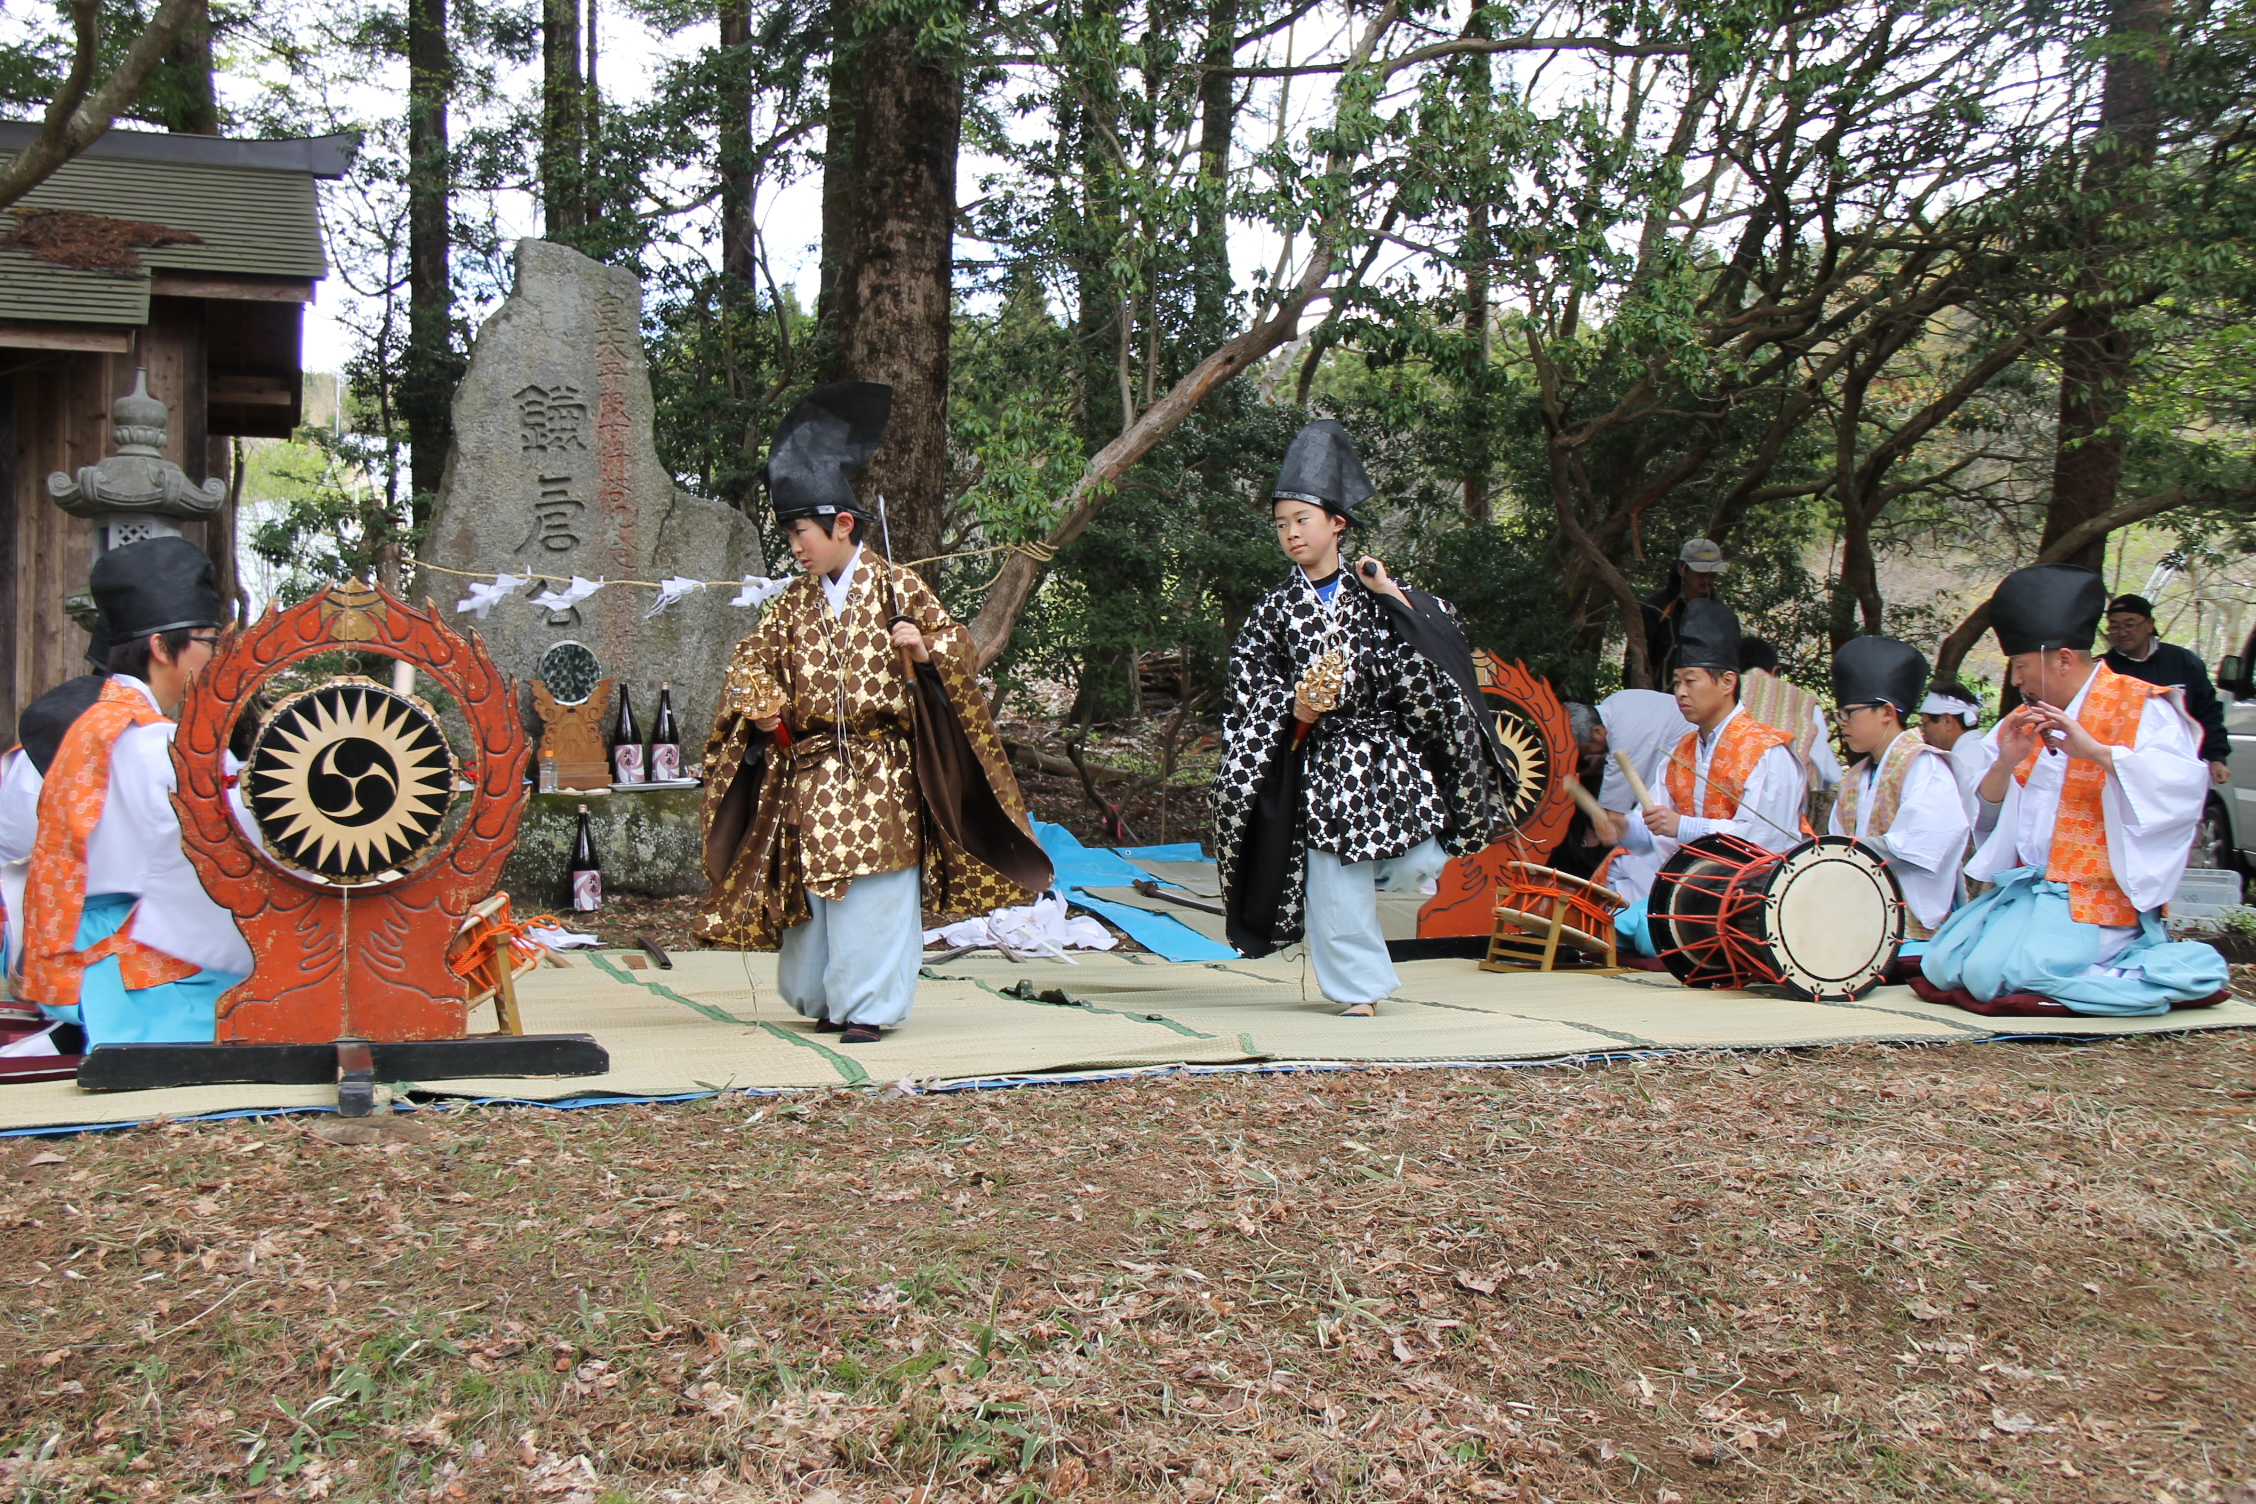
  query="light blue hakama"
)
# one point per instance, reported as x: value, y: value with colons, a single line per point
x: 1632, y: 930
x: 1345, y: 943
x: 2020, y: 937
x: 855, y: 960
x: 182, y: 1012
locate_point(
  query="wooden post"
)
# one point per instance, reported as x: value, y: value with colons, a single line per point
x: 505, y: 987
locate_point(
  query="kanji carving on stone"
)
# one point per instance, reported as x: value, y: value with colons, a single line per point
x: 554, y: 514
x: 551, y: 419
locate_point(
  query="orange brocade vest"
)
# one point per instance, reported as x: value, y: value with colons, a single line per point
x: 2112, y: 707
x: 4, y: 751
x: 70, y: 805
x: 1741, y: 746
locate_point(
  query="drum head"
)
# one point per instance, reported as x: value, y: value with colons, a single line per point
x: 349, y: 781
x: 1833, y: 915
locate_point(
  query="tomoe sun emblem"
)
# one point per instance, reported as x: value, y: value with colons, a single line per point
x: 349, y: 781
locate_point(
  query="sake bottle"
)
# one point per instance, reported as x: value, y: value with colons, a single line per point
x: 626, y: 743
x: 665, y: 740
x: 587, y: 872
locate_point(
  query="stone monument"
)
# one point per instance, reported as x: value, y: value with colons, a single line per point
x: 554, y: 472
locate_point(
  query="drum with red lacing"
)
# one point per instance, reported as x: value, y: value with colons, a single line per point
x: 1823, y: 920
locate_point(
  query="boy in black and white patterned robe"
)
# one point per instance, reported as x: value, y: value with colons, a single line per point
x: 1379, y: 790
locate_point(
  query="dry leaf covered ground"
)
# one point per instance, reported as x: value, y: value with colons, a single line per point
x: 1872, y: 1273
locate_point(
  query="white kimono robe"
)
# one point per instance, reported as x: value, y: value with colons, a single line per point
x: 2150, y: 803
x: 1645, y: 724
x: 135, y: 848
x: 1970, y: 758
x: 19, y: 825
x: 1927, y: 839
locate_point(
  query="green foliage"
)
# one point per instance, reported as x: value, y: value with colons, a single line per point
x: 1787, y: 279
x: 314, y: 513
x: 33, y: 66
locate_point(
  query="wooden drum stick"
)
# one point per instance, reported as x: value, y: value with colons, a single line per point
x: 1582, y: 798
x: 1636, y: 784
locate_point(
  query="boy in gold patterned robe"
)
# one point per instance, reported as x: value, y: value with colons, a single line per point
x: 853, y: 753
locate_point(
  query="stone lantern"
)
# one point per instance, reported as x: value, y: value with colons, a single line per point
x: 135, y: 493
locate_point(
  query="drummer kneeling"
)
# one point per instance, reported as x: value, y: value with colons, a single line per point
x: 1730, y: 775
x: 1902, y: 798
x: 2086, y: 818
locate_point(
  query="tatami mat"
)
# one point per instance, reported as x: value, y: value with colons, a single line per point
x: 714, y: 1021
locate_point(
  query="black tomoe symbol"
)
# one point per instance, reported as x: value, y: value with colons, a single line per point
x: 353, y: 781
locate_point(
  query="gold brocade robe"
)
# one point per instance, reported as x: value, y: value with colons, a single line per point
x: 843, y: 801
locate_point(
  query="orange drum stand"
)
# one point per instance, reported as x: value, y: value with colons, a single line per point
x: 1540, y: 910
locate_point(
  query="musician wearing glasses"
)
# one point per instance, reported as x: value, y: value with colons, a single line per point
x: 119, y: 936
x: 1900, y: 798
x: 2086, y: 818
x: 1730, y: 775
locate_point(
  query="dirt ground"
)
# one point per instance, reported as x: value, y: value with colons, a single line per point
x: 1963, y: 1272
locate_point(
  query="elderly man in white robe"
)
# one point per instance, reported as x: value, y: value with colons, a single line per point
x: 1900, y: 797
x: 2086, y: 819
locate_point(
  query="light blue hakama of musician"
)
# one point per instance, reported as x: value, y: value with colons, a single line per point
x: 2020, y: 937
x: 855, y: 960
x: 182, y: 1012
x: 1631, y: 931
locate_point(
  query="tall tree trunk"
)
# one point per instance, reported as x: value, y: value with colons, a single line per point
x: 1210, y: 235
x: 427, y: 382
x: 1089, y: 123
x: 736, y: 152
x: 1477, y: 256
x: 193, y: 104
x: 2096, y: 351
x: 838, y: 195
x: 1091, y: 128
x: 563, y: 100
x: 591, y: 131
x: 895, y: 276
x: 1856, y: 596
x: 1476, y: 336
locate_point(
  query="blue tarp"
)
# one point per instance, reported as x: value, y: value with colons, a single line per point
x: 1181, y: 851
x: 1081, y: 867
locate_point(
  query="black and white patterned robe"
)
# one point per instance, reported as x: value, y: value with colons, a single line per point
x: 1404, y: 757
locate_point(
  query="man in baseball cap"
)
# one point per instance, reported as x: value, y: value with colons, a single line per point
x: 2136, y: 649
x: 1692, y: 577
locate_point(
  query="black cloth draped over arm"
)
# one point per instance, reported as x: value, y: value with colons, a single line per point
x: 957, y: 796
x: 1435, y: 635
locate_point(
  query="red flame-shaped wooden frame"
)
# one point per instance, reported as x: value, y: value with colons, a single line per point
x: 1465, y: 903
x: 367, y: 962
